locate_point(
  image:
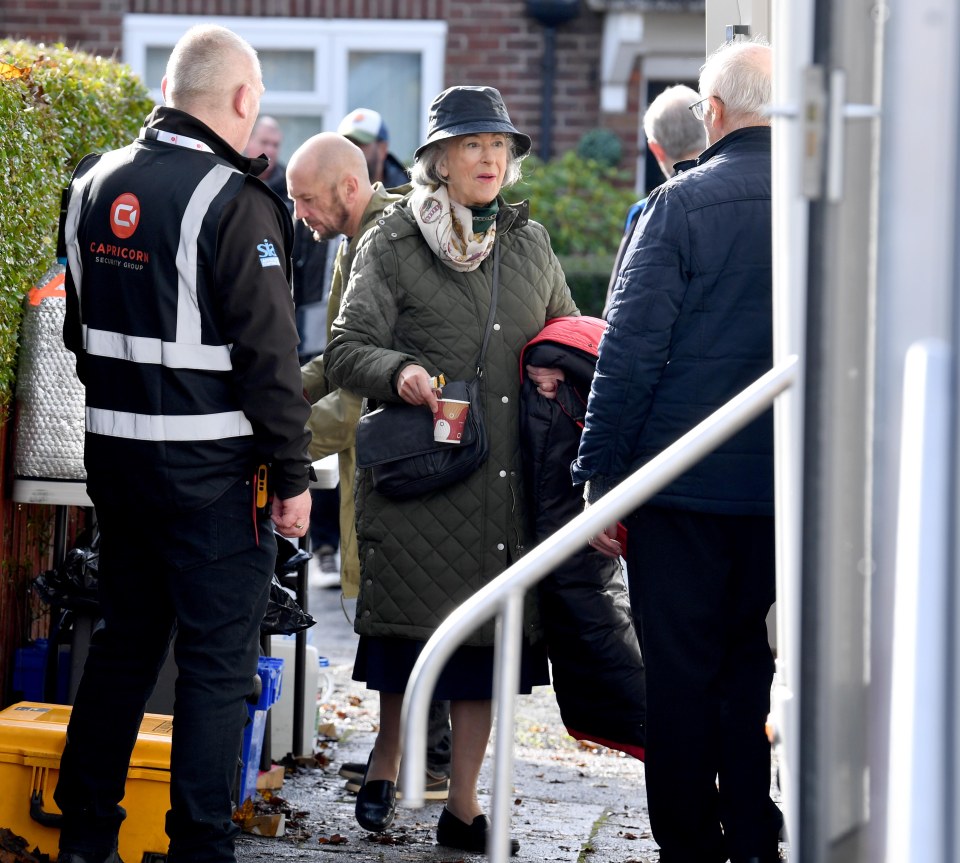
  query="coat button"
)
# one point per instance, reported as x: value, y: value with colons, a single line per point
x: 503, y: 473
x: 505, y: 399
x: 366, y: 614
x: 496, y: 327
x: 394, y: 234
x: 500, y: 546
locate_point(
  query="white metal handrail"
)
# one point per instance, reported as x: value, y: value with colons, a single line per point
x: 503, y: 598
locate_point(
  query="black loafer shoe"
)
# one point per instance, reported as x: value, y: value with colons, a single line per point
x: 454, y: 833
x: 376, y: 803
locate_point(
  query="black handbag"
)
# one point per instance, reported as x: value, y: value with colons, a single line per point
x: 395, y: 441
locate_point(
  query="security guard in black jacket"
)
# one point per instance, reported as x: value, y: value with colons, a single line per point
x: 180, y: 315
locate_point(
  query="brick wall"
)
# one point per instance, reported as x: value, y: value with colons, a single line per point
x: 489, y: 41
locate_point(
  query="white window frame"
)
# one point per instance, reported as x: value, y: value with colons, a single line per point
x: 331, y: 40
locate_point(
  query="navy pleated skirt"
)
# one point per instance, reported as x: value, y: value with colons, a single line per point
x: 384, y: 664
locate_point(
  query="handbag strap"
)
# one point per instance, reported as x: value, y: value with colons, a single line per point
x: 494, y: 291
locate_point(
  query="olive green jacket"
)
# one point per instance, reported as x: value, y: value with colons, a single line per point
x: 420, y: 558
x: 334, y: 413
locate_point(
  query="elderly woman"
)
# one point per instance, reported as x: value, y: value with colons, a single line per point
x: 416, y: 307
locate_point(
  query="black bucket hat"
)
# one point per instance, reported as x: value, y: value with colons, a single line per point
x: 468, y: 111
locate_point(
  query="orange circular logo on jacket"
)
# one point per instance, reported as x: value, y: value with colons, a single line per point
x: 125, y: 215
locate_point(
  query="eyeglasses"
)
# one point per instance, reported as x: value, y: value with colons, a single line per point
x: 697, y: 108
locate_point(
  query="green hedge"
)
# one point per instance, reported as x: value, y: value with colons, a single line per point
x: 582, y: 203
x: 56, y: 105
x: 588, y: 277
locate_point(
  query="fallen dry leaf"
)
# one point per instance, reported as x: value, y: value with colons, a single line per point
x: 388, y: 838
x: 13, y: 849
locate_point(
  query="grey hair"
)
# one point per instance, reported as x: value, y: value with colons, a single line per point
x: 670, y: 123
x: 737, y: 74
x: 425, y: 172
x: 200, y: 67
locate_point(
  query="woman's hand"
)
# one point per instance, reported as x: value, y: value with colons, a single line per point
x: 547, y: 380
x: 413, y: 386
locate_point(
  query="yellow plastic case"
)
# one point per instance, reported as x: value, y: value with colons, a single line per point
x: 32, y: 737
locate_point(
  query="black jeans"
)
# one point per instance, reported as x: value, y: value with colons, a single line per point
x: 324, y: 518
x: 206, y: 575
x: 701, y: 586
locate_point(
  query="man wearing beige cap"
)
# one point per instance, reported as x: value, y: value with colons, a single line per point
x: 365, y: 127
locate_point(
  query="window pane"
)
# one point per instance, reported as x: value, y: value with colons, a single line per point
x: 295, y: 131
x: 291, y: 71
x: 287, y: 70
x: 156, y: 65
x: 389, y: 82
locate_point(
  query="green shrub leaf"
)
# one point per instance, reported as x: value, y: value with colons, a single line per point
x: 56, y: 105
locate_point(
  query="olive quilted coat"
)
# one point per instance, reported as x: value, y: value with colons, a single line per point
x: 422, y: 557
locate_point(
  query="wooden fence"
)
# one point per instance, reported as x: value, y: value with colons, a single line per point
x: 26, y: 549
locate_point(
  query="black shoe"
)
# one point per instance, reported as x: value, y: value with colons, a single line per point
x: 435, y: 787
x: 454, y: 833
x: 376, y: 804
x: 353, y: 771
x: 74, y: 857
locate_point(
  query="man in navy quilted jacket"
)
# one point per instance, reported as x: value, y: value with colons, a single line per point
x: 690, y: 325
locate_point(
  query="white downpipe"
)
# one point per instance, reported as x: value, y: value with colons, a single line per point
x: 918, y: 765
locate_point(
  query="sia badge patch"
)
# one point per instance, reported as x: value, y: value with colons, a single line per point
x: 268, y: 254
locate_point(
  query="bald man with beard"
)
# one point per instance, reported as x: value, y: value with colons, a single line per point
x: 332, y: 196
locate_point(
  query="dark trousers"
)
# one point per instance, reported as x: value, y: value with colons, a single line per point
x: 324, y: 518
x: 439, y: 738
x: 204, y: 575
x: 701, y: 586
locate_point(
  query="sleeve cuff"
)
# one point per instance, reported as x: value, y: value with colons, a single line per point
x: 597, y: 487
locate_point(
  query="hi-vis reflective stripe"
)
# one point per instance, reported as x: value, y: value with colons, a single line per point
x: 150, y: 427
x: 70, y: 229
x: 187, y: 351
x: 188, y: 309
x: 140, y: 349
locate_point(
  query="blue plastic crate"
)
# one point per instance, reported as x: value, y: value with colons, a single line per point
x: 270, y: 670
x: 29, y: 669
